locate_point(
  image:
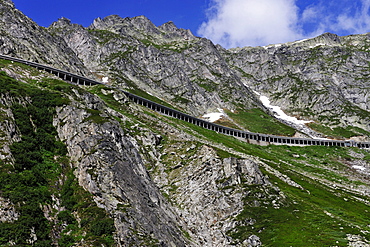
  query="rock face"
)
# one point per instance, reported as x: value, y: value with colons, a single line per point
x: 7, y: 211
x: 307, y: 78
x: 8, y: 129
x: 165, y: 61
x: 111, y: 169
x: 312, y: 78
x: 23, y: 38
x: 110, y: 165
x: 206, y: 191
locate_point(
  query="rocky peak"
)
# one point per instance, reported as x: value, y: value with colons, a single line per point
x: 109, y: 21
x: 141, y: 27
x: 174, y: 31
x: 142, y: 23
x: 8, y: 2
x: 22, y: 37
x: 169, y: 27
x: 121, y: 25
x: 326, y: 39
x: 64, y: 23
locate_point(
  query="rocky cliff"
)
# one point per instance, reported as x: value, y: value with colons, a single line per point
x: 23, y: 38
x: 312, y: 79
x: 110, y: 154
x: 166, y: 62
x: 324, y: 79
x: 84, y: 166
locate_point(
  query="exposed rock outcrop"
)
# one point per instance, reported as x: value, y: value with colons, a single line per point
x: 21, y: 37
x: 110, y: 167
x: 111, y: 164
x: 7, y: 211
x: 312, y: 78
x: 165, y: 61
x: 307, y: 78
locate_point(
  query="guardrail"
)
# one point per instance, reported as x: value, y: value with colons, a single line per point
x: 255, y: 138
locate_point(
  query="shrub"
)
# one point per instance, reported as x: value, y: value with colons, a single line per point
x: 102, y: 227
x: 66, y: 216
x: 66, y: 241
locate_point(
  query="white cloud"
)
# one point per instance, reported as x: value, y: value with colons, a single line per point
x: 311, y: 13
x: 234, y: 23
x: 359, y: 22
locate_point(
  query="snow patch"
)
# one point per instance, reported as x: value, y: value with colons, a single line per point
x: 279, y: 113
x: 257, y: 93
x: 313, y: 46
x: 359, y: 168
x: 270, y: 46
x: 105, y: 79
x: 214, y: 116
x: 300, y: 41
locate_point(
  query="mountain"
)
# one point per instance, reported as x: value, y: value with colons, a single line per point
x: 323, y: 79
x: 311, y: 79
x: 85, y: 166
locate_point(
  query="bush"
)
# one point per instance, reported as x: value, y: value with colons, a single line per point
x: 67, y: 194
x: 26, y: 186
x: 66, y: 216
x: 102, y: 227
x: 66, y: 241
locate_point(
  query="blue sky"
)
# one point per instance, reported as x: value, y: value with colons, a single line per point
x: 230, y: 23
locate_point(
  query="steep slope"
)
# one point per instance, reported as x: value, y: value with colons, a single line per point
x: 38, y: 191
x: 103, y: 159
x: 107, y: 153
x: 324, y: 79
x: 165, y: 182
x: 311, y: 79
x: 23, y: 38
x: 166, y: 62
